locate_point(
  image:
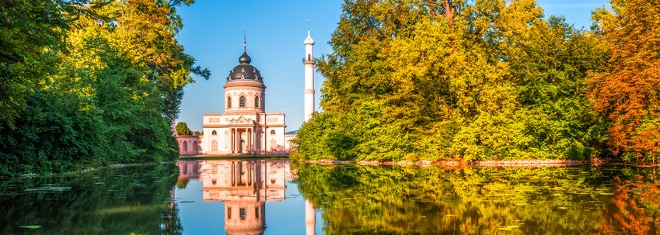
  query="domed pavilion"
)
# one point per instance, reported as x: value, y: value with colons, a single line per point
x: 244, y: 128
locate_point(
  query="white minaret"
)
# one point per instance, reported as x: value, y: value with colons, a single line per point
x: 310, y: 218
x: 308, y: 61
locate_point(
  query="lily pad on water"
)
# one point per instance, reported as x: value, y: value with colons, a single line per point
x: 49, y: 188
x: 31, y: 226
x: 508, y: 228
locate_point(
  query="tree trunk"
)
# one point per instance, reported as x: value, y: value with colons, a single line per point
x: 449, y: 13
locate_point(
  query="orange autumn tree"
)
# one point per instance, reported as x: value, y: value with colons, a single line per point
x: 627, y: 92
x: 637, y: 202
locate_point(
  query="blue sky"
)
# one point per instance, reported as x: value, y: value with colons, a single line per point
x: 213, y: 34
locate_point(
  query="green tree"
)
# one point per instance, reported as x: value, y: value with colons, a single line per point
x: 31, y: 34
x: 110, y: 91
x: 550, y: 72
x: 182, y: 129
x: 148, y: 30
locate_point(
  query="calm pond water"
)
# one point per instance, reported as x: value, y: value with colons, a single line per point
x: 275, y: 197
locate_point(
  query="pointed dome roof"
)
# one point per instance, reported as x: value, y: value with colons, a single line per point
x: 309, y: 39
x: 244, y: 59
x: 244, y: 71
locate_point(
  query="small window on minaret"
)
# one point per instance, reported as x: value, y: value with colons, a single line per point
x: 256, y: 101
x: 228, y: 102
x: 272, y: 132
x: 309, y: 57
x: 241, y: 102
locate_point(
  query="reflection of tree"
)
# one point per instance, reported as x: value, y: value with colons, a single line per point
x: 637, y: 203
x: 109, y: 201
x: 171, y: 221
x: 399, y: 200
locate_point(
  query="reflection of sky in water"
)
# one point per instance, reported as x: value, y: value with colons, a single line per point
x: 198, y: 217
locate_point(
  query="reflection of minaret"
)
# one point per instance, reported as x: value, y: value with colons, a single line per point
x: 310, y: 218
x: 308, y: 61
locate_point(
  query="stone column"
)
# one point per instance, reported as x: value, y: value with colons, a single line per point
x: 235, y: 140
x: 249, y: 137
x: 233, y: 172
x: 238, y: 141
x: 265, y: 137
x: 250, y: 174
x: 243, y: 144
x: 255, y: 137
x: 231, y: 144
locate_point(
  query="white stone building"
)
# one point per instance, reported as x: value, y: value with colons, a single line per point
x: 244, y: 127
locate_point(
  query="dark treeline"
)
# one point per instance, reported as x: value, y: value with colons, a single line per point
x: 89, y: 83
x: 498, y: 79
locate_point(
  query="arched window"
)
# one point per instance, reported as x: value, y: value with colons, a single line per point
x: 214, y: 132
x: 256, y: 101
x: 228, y: 102
x: 272, y: 132
x: 241, y: 102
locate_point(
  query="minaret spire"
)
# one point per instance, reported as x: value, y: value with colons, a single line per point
x: 309, y: 63
x: 308, y: 27
x: 244, y: 42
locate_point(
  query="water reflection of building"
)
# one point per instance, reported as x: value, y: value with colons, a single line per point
x: 244, y: 186
x: 188, y: 170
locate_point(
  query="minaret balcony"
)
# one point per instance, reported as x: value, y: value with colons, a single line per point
x: 306, y: 61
